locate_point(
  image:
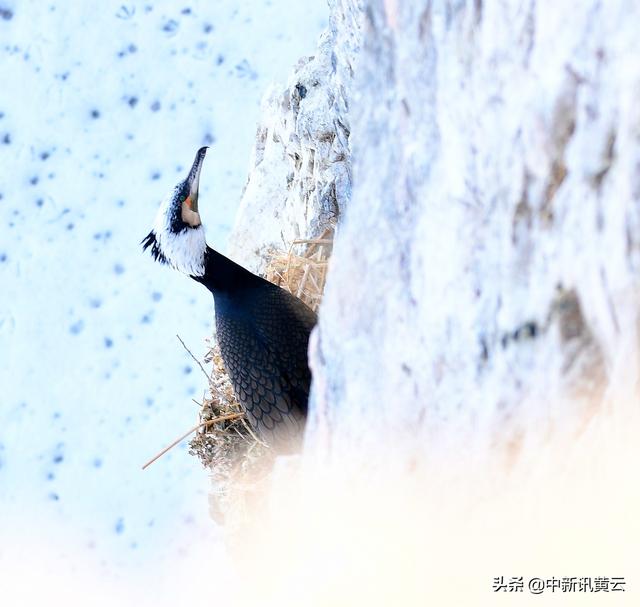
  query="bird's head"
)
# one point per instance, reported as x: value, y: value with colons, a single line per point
x: 177, y: 237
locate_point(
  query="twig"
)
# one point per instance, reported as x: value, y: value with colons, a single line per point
x: 312, y: 241
x: 255, y: 438
x: 303, y: 281
x: 210, y: 422
x: 194, y: 358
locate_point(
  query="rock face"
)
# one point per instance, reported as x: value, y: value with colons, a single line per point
x: 478, y: 338
x: 300, y: 171
x: 484, y: 284
x: 482, y: 298
x: 483, y: 291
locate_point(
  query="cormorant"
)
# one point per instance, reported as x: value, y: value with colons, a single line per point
x: 263, y: 330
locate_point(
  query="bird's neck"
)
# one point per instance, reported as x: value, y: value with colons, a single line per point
x: 223, y: 276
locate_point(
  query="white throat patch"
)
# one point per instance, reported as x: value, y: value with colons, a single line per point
x: 184, y: 251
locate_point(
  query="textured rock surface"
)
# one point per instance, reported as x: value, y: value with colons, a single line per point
x: 482, y: 299
x: 483, y: 289
x: 300, y: 174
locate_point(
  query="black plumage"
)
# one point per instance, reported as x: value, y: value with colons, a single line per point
x: 263, y: 331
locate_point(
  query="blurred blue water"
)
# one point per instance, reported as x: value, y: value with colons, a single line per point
x: 102, y: 106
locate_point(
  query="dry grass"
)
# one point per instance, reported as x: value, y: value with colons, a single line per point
x: 303, y: 269
x: 237, y: 459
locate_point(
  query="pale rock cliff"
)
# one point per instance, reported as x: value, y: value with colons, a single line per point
x: 484, y: 162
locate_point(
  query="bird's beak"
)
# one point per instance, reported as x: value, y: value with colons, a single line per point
x: 194, y: 178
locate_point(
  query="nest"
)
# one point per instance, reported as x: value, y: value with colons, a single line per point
x: 303, y: 269
x: 238, y: 461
